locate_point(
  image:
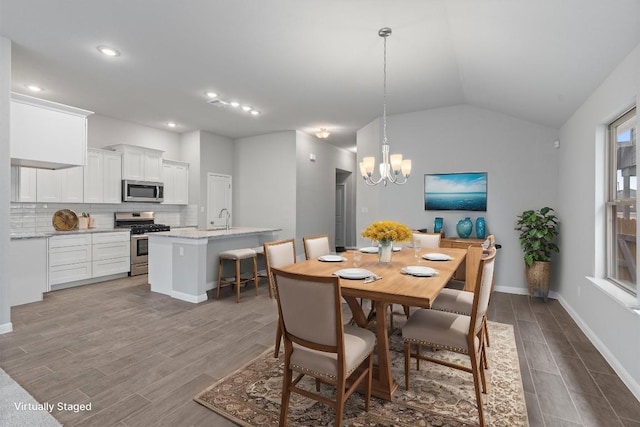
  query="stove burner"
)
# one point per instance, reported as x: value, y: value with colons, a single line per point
x: 149, y: 228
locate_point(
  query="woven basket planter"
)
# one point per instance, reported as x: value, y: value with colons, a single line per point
x: 538, y: 278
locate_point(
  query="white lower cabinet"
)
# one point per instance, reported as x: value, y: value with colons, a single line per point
x: 88, y: 256
x: 111, y: 253
x: 27, y: 270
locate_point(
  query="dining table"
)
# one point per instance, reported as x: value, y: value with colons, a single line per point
x: 388, y: 284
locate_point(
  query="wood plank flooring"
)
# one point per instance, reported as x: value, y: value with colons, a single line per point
x: 140, y: 357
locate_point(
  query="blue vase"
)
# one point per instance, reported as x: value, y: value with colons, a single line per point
x: 464, y: 227
x: 437, y: 225
x: 481, y: 228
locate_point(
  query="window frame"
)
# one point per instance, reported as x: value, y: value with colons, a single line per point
x: 613, y: 203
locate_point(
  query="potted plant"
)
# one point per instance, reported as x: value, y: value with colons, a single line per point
x: 538, y: 230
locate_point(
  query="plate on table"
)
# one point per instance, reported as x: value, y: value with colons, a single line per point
x: 420, y: 271
x: 374, y: 249
x: 437, y: 257
x: 354, y: 273
x: 331, y: 258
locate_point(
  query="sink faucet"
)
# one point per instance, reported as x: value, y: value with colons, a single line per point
x: 228, y: 217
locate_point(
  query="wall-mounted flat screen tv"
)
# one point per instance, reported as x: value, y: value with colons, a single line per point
x: 465, y: 191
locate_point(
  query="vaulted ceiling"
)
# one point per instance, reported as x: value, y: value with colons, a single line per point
x: 307, y: 64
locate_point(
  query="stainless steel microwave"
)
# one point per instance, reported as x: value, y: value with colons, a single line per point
x: 142, y: 191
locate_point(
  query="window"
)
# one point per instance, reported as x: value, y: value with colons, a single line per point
x: 621, y: 206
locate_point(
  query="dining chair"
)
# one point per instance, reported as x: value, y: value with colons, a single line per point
x: 427, y: 240
x: 454, y: 332
x: 278, y: 254
x: 461, y: 301
x: 316, y: 246
x: 318, y: 344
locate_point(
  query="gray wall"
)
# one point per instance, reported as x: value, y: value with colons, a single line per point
x: 519, y: 157
x: 264, y: 182
x: 5, y: 182
x: 190, y: 153
x: 316, y: 183
x: 604, y: 313
x: 216, y: 156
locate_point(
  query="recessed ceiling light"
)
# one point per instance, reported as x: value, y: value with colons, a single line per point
x: 234, y: 104
x: 171, y: 124
x: 108, y: 51
x: 246, y: 108
x: 255, y: 112
x: 34, y: 88
x: 211, y: 94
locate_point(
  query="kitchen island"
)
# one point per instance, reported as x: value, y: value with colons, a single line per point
x: 184, y: 263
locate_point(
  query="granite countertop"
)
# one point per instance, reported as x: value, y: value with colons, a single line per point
x: 213, y: 233
x: 41, y: 235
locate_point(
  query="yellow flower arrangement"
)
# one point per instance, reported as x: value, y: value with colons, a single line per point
x: 387, y: 231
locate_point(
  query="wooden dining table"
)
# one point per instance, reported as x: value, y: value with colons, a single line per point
x: 394, y: 287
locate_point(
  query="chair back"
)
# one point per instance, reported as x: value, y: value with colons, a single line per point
x: 310, y: 310
x: 427, y: 240
x: 482, y: 293
x: 316, y: 246
x: 278, y: 254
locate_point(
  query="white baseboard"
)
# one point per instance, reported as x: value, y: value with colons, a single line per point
x: 195, y: 299
x: 521, y: 291
x: 624, y: 375
x: 6, y: 327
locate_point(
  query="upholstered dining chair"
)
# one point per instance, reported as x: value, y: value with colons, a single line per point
x: 461, y: 301
x: 318, y: 344
x: 278, y: 254
x: 454, y: 332
x: 427, y: 240
x: 316, y: 246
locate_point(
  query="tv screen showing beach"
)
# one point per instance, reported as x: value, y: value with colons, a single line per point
x: 455, y: 191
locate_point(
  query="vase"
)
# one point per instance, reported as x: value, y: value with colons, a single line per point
x: 464, y: 227
x: 481, y: 228
x: 437, y: 225
x: 385, y: 249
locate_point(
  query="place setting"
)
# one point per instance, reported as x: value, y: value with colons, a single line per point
x: 419, y: 271
x: 331, y: 258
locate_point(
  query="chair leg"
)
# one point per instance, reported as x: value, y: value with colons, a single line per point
x: 278, y: 339
x: 486, y: 330
x: 255, y: 273
x: 477, y: 371
x: 369, y: 378
x: 219, y: 280
x: 419, y: 352
x: 286, y: 393
x: 238, y: 280
x: 407, y: 361
x: 340, y: 402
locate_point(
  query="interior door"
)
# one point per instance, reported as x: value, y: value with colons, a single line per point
x: 341, y: 223
x: 218, y: 198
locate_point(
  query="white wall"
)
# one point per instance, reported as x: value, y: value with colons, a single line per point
x: 216, y: 155
x: 519, y: 157
x: 264, y: 182
x: 316, y: 183
x: 608, y: 321
x: 5, y: 182
x: 104, y: 131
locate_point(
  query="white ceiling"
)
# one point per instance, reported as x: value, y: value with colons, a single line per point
x: 309, y: 63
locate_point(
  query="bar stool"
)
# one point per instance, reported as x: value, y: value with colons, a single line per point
x: 237, y: 255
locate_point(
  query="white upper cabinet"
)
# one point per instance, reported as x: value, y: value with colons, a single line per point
x: 139, y: 163
x: 46, y: 134
x: 23, y: 184
x: 176, y: 182
x: 102, y: 177
x: 60, y: 186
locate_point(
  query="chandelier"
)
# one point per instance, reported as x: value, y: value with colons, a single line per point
x: 393, y: 168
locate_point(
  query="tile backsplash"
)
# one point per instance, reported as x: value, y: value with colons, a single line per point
x: 36, y: 217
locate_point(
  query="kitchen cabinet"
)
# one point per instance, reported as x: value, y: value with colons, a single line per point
x: 60, y: 186
x: 23, y: 184
x: 140, y: 163
x: 102, y: 177
x: 175, y: 176
x: 69, y: 258
x: 46, y: 134
x: 27, y: 270
x: 111, y: 253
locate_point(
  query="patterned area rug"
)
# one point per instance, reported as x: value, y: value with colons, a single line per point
x: 439, y: 396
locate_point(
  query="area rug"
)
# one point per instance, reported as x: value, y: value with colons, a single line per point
x: 439, y: 396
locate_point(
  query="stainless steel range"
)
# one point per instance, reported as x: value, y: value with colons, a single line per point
x: 140, y: 224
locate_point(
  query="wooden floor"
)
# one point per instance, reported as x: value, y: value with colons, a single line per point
x: 140, y: 357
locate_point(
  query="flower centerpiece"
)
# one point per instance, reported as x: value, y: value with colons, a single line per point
x: 385, y: 233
